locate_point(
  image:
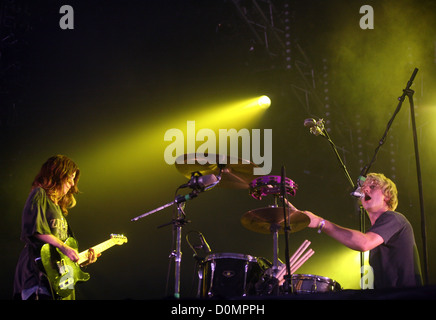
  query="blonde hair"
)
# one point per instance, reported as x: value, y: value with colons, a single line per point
x: 54, y: 172
x: 388, y: 187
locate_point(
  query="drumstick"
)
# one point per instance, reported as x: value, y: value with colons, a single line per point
x: 298, y: 264
x: 294, y: 257
x: 299, y: 252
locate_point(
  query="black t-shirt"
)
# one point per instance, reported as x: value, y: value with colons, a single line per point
x: 42, y: 216
x: 396, y: 261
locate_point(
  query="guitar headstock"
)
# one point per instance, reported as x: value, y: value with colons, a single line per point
x: 118, y: 239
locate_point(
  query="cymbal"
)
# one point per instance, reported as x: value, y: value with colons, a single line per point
x: 235, y: 172
x: 263, y: 220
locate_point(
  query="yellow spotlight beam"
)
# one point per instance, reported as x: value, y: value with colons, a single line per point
x: 232, y: 114
x: 133, y: 148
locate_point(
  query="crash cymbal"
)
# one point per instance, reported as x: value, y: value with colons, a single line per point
x: 235, y: 172
x: 261, y: 220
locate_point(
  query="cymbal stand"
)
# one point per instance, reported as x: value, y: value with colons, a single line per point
x: 287, y: 285
x: 274, y: 229
x: 275, y: 232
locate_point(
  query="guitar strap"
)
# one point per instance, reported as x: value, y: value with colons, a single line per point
x: 71, y: 233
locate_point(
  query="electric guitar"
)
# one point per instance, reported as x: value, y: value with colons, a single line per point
x: 63, y: 273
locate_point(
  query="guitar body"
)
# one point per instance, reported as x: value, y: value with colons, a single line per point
x: 62, y: 273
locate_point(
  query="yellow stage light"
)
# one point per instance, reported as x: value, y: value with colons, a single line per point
x: 233, y: 114
x: 264, y: 102
x: 127, y: 150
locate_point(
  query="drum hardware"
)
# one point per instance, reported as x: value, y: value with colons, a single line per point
x: 274, y: 219
x: 277, y: 220
x: 235, y: 173
x: 180, y: 220
x: 201, y: 245
x: 270, y: 220
x: 230, y: 275
x: 267, y: 286
x: 201, y: 250
x: 229, y: 171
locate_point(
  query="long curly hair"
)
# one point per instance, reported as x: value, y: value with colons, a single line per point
x: 53, y: 174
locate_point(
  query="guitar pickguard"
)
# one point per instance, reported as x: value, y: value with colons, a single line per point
x: 66, y: 276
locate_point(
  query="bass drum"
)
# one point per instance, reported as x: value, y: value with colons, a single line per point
x: 228, y: 275
x: 308, y: 283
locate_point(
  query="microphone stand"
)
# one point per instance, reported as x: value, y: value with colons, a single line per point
x: 409, y: 93
x: 178, y: 223
x: 323, y: 132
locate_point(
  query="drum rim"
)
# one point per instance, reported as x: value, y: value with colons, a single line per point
x: 314, y: 276
x: 230, y: 255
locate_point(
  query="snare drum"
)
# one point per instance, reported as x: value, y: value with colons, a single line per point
x: 308, y: 283
x: 227, y: 275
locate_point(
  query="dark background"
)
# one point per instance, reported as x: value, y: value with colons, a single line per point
x: 106, y: 92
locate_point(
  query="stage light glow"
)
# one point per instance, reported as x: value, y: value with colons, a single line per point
x: 134, y: 152
x: 232, y: 114
x: 340, y: 264
x: 264, y: 102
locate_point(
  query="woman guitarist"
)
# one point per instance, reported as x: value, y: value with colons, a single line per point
x: 44, y: 221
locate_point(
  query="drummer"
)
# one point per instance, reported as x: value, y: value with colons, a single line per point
x: 393, y: 256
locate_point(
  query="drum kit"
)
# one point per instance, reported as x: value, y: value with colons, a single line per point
x: 233, y: 275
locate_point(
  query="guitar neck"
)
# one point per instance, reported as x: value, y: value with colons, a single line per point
x: 99, y: 248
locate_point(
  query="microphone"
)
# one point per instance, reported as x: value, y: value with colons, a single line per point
x: 309, y: 122
x: 316, y: 127
x: 200, y: 182
x: 358, y: 193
